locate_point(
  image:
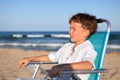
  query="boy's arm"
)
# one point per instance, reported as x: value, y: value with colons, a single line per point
x: 24, y: 61
x: 85, y: 65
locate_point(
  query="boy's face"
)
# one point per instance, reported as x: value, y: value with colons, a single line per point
x: 77, y: 32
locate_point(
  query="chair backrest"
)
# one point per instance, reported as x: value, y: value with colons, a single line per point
x: 100, y: 40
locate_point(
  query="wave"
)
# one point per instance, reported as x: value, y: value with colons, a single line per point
x: 27, y: 36
x: 37, y: 36
x: 49, y: 46
x: 60, y: 35
x: 33, y: 44
x: 17, y: 35
x: 113, y: 46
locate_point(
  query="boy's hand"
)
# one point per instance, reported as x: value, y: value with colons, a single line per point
x: 23, y: 62
x: 56, y: 70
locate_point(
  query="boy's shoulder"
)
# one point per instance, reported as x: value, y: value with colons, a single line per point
x: 68, y: 44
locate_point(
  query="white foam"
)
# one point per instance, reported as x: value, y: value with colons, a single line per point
x: 32, y: 44
x: 61, y: 35
x: 17, y: 35
x: 113, y: 46
x: 36, y: 35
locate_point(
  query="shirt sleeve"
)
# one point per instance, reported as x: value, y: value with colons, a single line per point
x: 52, y: 57
x: 55, y: 56
x: 90, y: 55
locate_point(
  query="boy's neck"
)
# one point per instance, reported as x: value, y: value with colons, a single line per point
x: 78, y: 43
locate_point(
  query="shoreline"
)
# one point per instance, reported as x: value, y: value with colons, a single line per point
x: 9, y: 59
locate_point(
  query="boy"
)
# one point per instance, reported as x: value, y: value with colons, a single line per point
x: 79, y: 54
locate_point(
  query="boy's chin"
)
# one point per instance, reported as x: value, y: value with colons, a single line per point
x: 71, y: 41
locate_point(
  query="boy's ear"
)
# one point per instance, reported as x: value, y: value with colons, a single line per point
x: 86, y: 33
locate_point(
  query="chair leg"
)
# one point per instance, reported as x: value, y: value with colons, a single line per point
x: 35, y: 72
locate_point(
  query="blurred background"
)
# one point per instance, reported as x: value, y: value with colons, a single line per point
x: 43, y: 24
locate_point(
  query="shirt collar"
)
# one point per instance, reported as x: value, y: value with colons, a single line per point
x: 77, y: 47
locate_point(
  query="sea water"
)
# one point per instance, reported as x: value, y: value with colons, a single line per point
x: 47, y: 40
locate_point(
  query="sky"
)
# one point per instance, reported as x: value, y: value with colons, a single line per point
x: 53, y: 15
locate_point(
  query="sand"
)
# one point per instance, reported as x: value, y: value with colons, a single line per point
x: 9, y: 59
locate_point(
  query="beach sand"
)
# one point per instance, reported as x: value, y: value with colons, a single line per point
x: 9, y: 59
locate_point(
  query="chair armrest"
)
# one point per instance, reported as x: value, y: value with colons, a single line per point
x: 39, y: 67
x: 84, y: 71
x: 43, y: 63
x: 65, y: 71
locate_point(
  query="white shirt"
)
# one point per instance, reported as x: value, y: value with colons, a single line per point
x: 82, y: 52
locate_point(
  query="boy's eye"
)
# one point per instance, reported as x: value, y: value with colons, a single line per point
x: 74, y: 29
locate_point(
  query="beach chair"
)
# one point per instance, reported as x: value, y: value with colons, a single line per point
x: 99, y: 40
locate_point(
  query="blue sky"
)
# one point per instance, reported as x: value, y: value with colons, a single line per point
x: 53, y: 15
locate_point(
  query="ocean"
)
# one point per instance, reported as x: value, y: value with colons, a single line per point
x: 47, y: 40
